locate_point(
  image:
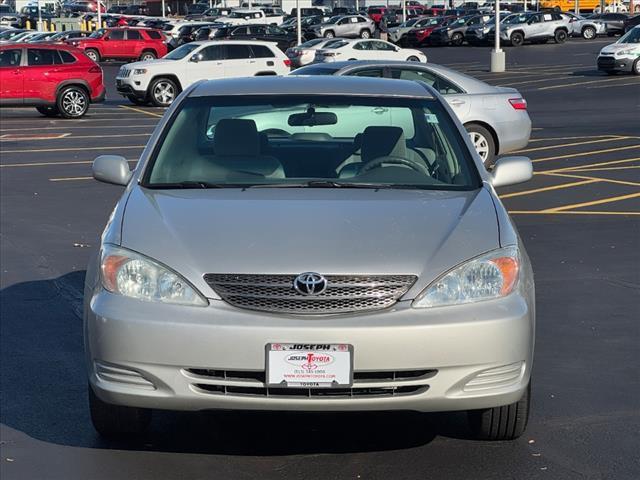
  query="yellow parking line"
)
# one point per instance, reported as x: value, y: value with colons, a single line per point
x: 549, y: 139
x: 569, y: 212
x: 546, y: 189
x: 69, y: 136
x: 552, y: 87
x: 68, y: 179
x: 551, y: 147
x: 140, y: 111
x: 593, y: 202
x: 584, y: 177
x: 589, y: 165
x: 69, y: 127
x: 48, y: 164
x: 44, y: 150
x: 594, y: 152
x: 606, y: 169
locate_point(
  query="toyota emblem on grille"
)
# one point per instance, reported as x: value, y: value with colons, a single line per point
x: 310, y: 283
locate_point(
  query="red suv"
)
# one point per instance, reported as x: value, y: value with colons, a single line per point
x: 123, y: 43
x: 56, y: 79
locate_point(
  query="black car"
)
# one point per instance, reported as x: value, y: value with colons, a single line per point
x: 206, y: 32
x: 268, y: 33
x: 615, y: 22
x: 196, y: 9
x: 631, y: 22
x: 306, y: 12
x: 117, y: 9
x: 140, y: 10
x: 454, y: 33
x: 291, y: 25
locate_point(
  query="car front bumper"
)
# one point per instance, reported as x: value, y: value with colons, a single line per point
x: 609, y: 63
x: 128, y: 88
x: 143, y: 354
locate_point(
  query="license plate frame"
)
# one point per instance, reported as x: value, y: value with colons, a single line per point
x: 318, y: 377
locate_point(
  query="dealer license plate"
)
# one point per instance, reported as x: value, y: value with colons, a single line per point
x: 309, y: 365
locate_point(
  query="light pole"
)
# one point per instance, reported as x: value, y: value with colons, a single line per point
x: 497, y: 54
x: 404, y: 11
x: 99, y: 25
x: 39, y: 27
x: 164, y: 11
x: 298, y: 22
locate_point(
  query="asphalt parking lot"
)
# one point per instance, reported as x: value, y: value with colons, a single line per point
x: 579, y: 218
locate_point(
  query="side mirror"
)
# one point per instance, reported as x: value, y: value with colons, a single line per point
x: 511, y: 170
x: 112, y: 169
x: 194, y: 58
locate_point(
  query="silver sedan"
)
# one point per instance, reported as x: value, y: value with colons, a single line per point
x: 495, y: 117
x: 310, y: 244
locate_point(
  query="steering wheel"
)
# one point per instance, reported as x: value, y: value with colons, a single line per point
x: 377, y: 163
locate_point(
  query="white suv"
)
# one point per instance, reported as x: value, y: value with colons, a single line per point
x: 160, y: 81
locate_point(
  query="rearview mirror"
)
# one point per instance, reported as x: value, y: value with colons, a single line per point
x: 511, y: 170
x: 112, y: 169
x: 311, y: 118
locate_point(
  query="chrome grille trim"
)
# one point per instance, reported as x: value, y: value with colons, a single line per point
x: 344, y: 293
x: 124, y: 72
x: 252, y: 384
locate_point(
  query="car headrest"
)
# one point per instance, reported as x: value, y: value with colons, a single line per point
x: 382, y: 141
x: 236, y: 137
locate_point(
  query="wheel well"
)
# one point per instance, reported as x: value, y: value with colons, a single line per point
x: 588, y: 26
x: 489, y: 129
x: 561, y: 28
x: 170, y: 77
x: 517, y: 31
x: 73, y: 83
x: 152, y: 50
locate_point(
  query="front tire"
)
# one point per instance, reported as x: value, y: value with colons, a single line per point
x: 147, y: 56
x: 73, y: 102
x: 517, y: 39
x: 93, y: 54
x: 560, y: 36
x: 115, y: 420
x: 457, y: 39
x: 502, y: 423
x: 636, y: 67
x: 163, y: 92
x: 365, y: 33
x: 589, y: 33
x: 483, y: 142
x: 329, y: 34
x: 48, y: 111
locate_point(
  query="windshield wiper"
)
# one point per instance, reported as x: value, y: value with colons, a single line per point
x: 189, y: 184
x: 334, y: 184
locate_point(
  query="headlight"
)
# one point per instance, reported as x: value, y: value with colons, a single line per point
x: 492, y: 275
x: 133, y: 275
x: 623, y: 53
x: 139, y: 71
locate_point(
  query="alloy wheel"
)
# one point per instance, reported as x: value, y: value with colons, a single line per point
x: 164, y: 93
x: 589, y: 33
x: 147, y: 56
x: 74, y: 103
x: 481, y: 144
x: 92, y: 55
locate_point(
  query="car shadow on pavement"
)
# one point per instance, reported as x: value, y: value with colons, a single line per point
x: 44, y: 395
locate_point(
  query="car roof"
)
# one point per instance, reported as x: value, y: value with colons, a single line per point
x: 39, y: 46
x: 467, y: 83
x: 311, y: 85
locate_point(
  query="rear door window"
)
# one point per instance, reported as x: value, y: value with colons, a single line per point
x: 66, y: 56
x: 442, y: 85
x: 154, y: 35
x: 10, y: 58
x: 133, y: 35
x: 262, y: 51
x: 238, y: 52
x: 116, y: 35
x: 39, y: 57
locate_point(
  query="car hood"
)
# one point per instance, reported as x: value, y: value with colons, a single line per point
x: 616, y: 47
x: 330, y: 231
x: 158, y: 63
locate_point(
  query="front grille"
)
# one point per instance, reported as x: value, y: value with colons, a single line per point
x: 365, y: 384
x: 124, y: 72
x: 606, y: 62
x: 275, y: 293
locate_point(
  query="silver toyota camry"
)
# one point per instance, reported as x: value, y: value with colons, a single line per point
x: 310, y: 244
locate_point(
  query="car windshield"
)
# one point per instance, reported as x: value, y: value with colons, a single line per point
x: 311, y: 141
x: 409, y: 23
x: 311, y: 43
x: 239, y: 14
x: 515, y: 19
x: 334, y: 19
x: 181, y: 52
x: 98, y: 33
x: 632, y: 36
